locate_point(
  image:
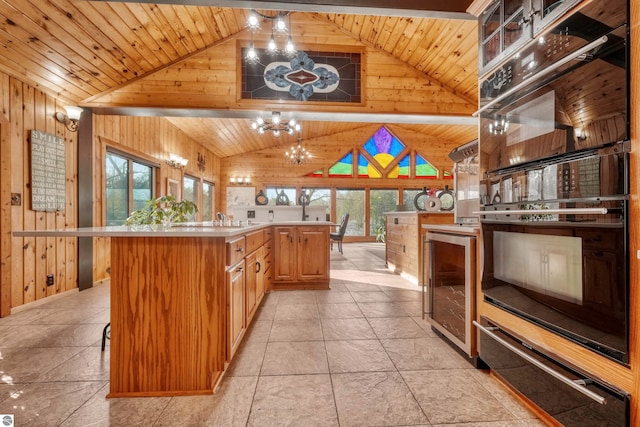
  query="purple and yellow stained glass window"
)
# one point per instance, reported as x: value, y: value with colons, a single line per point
x: 343, y: 167
x: 404, y: 167
x: 384, y: 148
x: 424, y: 168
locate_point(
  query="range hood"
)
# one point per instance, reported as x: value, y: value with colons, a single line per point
x: 470, y: 149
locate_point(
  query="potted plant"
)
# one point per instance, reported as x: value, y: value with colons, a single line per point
x: 164, y: 210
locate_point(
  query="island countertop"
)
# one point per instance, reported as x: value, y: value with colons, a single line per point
x: 188, y: 229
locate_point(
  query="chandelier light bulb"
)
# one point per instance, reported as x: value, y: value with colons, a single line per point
x: 280, y: 25
x: 289, y: 48
x: 261, y: 130
x: 272, y: 47
x: 254, y: 125
x: 252, y: 55
x: 259, y: 121
x: 253, y: 22
x: 275, y: 118
x: 276, y: 133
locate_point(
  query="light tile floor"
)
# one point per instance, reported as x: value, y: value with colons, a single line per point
x: 357, y: 355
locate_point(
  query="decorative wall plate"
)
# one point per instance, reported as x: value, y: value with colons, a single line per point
x: 446, y: 199
x: 261, y: 199
x: 282, y: 199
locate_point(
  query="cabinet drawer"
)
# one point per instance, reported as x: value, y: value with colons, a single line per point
x: 236, y: 249
x: 253, y: 241
x: 267, y: 233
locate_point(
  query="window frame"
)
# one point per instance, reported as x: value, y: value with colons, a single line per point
x: 130, y: 158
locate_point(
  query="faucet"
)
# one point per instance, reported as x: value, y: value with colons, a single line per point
x: 304, y: 201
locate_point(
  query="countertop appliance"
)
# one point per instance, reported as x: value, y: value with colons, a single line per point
x: 466, y: 182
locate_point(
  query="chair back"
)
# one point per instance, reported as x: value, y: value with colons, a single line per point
x: 343, y: 224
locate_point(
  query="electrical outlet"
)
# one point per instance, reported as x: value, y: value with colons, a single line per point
x: 251, y: 214
x: 49, y: 279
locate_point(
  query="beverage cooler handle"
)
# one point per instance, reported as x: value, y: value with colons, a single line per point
x: 426, y: 277
x: 561, y: 211
x: 551, y: 68
x: 574, y: 384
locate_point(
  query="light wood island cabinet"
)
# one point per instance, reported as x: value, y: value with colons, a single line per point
x: 183, y: 297
x: 404, y: 241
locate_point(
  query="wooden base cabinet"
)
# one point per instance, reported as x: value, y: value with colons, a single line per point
x: 236, y: 308
x: 301, y: 256
x: 168, y: 315
x: 254, y: 273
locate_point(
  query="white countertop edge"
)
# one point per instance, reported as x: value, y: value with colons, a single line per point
x: 181, y: 230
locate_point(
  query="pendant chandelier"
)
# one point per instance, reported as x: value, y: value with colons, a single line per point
x: 275, y: 125
x: 498, y: 127
x: 279, y: 27
x: 297, y: 156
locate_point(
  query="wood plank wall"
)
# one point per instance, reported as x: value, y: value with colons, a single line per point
x: 26, y: 262
x: 151, y: 139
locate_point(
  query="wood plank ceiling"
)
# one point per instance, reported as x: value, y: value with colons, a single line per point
x: 89, y: 53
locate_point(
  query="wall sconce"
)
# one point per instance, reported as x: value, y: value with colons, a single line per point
x: 202, y: 162
x: 176, y: 161
x: 580, y: 134
x: 71, y: 118
x: 239, y: 180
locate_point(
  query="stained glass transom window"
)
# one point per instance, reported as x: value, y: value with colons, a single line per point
x: 343, y: 167
x: 424, y: 168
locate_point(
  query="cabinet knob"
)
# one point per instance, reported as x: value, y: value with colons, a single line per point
x: 240, y: 249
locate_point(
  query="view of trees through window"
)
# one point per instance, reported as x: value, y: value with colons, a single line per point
x: 351, y: 201
x: 207, y: 200
x: 380, y: 201
x: 273, y: 192
x: 129, y: 186
x: 190, y: 192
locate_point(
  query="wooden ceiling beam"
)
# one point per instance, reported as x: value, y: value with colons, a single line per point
x: 451, y: 9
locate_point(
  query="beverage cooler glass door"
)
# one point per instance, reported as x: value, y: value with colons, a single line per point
x: 452, y: 277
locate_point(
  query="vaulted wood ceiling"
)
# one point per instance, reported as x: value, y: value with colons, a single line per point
x: 181, y: 62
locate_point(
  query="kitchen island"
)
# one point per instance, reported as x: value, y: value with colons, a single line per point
x: 183, y: 296
x: 404, y: 241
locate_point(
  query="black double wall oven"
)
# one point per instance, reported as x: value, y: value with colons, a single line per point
x: 554, y: 141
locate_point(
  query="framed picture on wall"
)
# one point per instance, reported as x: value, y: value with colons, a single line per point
x: 173, y: 188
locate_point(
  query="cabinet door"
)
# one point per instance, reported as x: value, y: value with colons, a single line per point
x: 250, y: 277
x: 261, y: 266
x: 235, y: 308
x: 313, y: 254
x: 284, y: 253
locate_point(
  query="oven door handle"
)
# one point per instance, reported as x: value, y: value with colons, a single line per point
x: 574, y: 384
x: 568, y: 211
x: 551, y: 68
